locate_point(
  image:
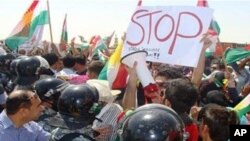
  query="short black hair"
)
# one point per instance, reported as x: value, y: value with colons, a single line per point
x: 80, y: 59
x: 96, y: 67
x: 216, y: 97
x: 170, y: 72
x: 51, y: 58
x: 218, y: 119
x: 68, y: 61
x: 182, y: 95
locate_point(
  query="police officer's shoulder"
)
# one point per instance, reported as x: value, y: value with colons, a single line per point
x: 1, y: 125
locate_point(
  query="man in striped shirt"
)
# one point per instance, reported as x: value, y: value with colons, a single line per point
x: 107, y: 125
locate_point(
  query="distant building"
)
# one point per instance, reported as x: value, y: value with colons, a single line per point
x: 224, y: 45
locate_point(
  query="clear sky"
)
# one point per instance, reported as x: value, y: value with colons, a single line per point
x: 89, y: 17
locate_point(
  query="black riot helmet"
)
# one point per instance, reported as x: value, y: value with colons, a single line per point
x: 152, y: 122
x: 27, y: 70
x: 49, y: 90
x: 79, y: 101
x: 5, y: 61
x: 13, y: 65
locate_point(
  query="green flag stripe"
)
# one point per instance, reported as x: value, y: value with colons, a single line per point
x: 103, y: 73
x: 41, y: 19
x: 64, y: 36
x: 215, y: 26
x: 243, y: 111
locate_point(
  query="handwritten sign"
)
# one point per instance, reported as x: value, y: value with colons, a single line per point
x: 169, y: 34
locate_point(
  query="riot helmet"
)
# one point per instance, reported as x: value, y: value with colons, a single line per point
x: 27, y: 70
x: 44, y: 62
x: 44, y: 67
x: 152, y: 122
x: 5, y: 61
x: 49, y: 90
x: 3, y: 96
x: 79, y: 101
x: 13, y: 65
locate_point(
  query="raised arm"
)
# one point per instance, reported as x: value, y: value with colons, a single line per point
x: 199, y: 70
x: 130, y: 97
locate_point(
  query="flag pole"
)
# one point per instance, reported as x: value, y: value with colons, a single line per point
x: 50, y: 28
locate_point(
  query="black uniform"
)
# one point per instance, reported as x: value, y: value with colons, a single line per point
x: 67, y: 128
x: 77, y: 107
x: 47, y: 114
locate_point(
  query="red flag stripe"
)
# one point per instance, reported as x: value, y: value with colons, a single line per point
x: 26, y: 19
x: 139, y: 3
x: 33, y: 6
x: 121, y: 78
x: 202, y: 3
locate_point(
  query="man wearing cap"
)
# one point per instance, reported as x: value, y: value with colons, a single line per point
x: 109, y: 113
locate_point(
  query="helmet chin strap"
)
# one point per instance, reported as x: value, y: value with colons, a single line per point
x: 98, y: 119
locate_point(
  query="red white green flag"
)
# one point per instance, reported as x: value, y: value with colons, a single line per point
x: 30, y: 29
x: 37, y: 25
x: 114, y: 71
x: 64, y: 35
x: 108, y: 39
x: 243, y: 107
x: 23, y: 25
x: 214, y: 30
x: 214, y: 26
x: 97, y: 43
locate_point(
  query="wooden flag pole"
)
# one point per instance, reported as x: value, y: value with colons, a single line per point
x: 50, y: 28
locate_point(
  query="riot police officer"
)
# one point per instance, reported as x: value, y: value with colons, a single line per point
x: 152, y: 122
x: 3, y: 98
x: 12, y: 70
x: 77, y: 108
x: 5, y: 74
x: 29, y: 70
x: 49, y: 90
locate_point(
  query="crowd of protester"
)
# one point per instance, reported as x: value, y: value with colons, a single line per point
x: 46, y: 95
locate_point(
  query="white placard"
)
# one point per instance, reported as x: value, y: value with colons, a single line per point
x: 169, y: 34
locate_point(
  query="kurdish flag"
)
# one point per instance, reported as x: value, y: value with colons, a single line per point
x: 114, y: 71
x: 243, y: 107
x: 214, y: 26
x: 37, y: 25
x: 102, y: 56
x: 64, y: 35
x: 30, y: 28
x: 97, y: 44
x: 214, y: 31
x: 108, y: 39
